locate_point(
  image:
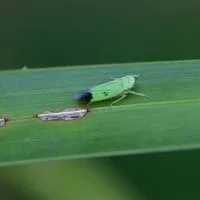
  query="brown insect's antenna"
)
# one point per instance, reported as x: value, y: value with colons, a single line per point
x: 21, y: 118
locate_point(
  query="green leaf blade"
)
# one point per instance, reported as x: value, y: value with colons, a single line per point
x: 169, y: 120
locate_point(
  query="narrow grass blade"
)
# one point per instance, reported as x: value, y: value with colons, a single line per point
x: 167, y: 121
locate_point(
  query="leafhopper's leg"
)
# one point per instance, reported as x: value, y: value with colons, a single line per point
x: 88, y: 104
x: 136, y: 75
x: 110, y: 77
x: 138, y: 94
x: 119, y: 99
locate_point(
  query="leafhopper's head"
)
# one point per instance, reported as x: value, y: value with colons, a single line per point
x: 83, y: 96
x: 133, y: 78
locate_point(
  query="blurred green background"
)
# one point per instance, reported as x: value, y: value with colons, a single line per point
x: 54, y: 33
x: 74, y: 32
